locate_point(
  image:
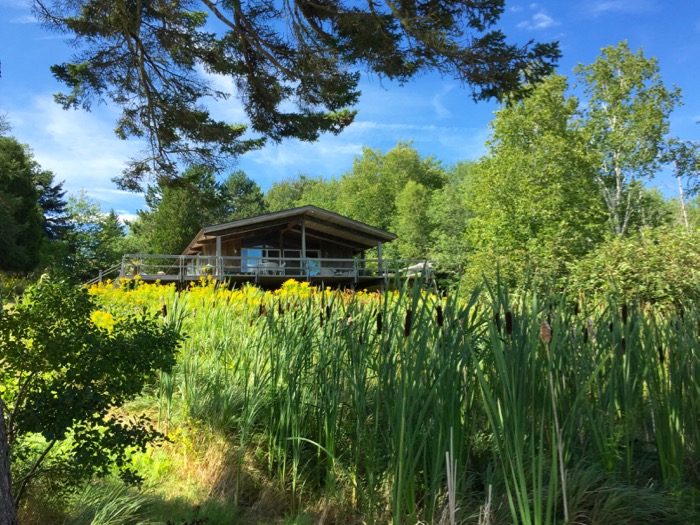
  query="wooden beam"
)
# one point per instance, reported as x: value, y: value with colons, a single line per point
x: 303, y: 238
x: 344, y: 230
x: 333, y: 240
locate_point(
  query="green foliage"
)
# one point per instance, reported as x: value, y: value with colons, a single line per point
x: 300, y: 191
x: 412, y: 224
x: 178, y: 211
x: 242, y: 196
x: 298, y: 81
x: 64, y: 376
x: 625, y: 122
x: 449, y: 215
x: 532, y: 200
x: 94, y: 241
x: 21, y: 220
x: 655, y: 266
x: 109, y: 504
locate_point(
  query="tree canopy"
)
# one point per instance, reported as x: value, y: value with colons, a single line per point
x: 21, y: 219
x: 296, y: 79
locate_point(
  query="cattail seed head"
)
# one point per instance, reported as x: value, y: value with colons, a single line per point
x: 585, y: 334
x: 661, y: 354
x: 622, y: 345
x: 261, y: 310
x: 497, y: 321
x: 681, y: 311
x: 407, y: 323
x: 440, y: 316
x: 624, y: 313
x: 509, y: 322
x: 164, y: 311
x: 280, y: 308
x: 546, y: 332
x: 320, y: 318
x: 328, y: 311
x: 379, y: 323
x: 590, y: 331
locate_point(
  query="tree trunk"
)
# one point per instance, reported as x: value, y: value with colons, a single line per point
x: 7, y: 506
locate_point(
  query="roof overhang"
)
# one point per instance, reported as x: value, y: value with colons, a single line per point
x: 317, y: 221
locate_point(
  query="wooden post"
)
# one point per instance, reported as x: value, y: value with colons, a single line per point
x: 219, y: 265
x: 303, y: 247
x: 380, y: 268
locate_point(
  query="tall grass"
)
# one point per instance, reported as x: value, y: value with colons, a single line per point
x: 407, y: 407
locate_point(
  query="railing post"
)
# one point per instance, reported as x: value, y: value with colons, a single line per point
x: 356, y: 270
x: 100, y: 276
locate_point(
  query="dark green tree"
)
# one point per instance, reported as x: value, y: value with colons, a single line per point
x: 53, y: 205
x: 21, y: 220
x: 243, y: 197
x: 64, y: 373
x: 178, y: 210
x: 95, y: 240
x: 296, y: 79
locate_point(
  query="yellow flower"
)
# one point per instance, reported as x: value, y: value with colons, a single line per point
x: 102, y: 319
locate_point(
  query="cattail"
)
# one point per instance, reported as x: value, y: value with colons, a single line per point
x: 661, y: 354
x: 590, y: 330
x: 509, y: 322
x: 320, y: 318
x: 576, y: 308
x: 585, y: 334
x: 280, y: 308
x: 407, y: 323
x: 546, y: 332
x: 261, y: 310
x: 497, y: 321
x: 611, y: 326
x: 624, y: 313
x: 328, y: 311
x: 622, y: 345
x: 379, y: 323
x: 440, y: 316
x: 681, y: 311
x: 164, y: 311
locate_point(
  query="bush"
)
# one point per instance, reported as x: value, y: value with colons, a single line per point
x: 657, y: 266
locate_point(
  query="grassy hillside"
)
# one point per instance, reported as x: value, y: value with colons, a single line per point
x: 306, y: 406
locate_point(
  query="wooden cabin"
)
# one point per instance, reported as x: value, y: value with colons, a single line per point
x: 306, y: 243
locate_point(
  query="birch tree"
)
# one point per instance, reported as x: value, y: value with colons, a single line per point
x: 626, y: 121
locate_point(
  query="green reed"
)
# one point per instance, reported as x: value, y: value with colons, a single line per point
x: 556, y: 412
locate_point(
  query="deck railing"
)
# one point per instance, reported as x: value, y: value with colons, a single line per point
x: 191, y: 267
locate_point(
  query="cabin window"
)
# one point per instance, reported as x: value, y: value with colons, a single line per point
x: 251, y: 257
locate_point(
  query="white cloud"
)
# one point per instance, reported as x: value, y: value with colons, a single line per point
x: 24, y: 19
x: 78, y: 147
x: 16, y: 4
x: 437, y: 102
x: 600, y: 7
x: 539, y: 20
x: 125, y: 216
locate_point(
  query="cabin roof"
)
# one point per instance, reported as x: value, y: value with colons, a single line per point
x: 324, y: 222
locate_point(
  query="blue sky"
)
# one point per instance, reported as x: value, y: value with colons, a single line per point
x: 436, y: 113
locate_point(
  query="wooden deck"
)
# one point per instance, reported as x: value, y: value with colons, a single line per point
x: 271, y: 273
